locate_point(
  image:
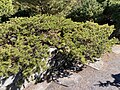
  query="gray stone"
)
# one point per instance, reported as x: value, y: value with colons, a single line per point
x: 66, y: 83
x: 39, y: 86
x: 87, y: 79
x: 98, y: 65
x: 6, y: 83
x: 116, y: 49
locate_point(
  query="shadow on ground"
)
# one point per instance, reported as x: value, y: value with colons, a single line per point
x: 61, y: 66
x: 115, y: 83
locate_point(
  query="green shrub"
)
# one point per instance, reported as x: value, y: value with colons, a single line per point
x: 112, y: 15
x: 114, y: 1
x: 86, y: 10
x: 6, y: 7
x: 24, y: 42
x: 48, y: 6
x: 89, y: 41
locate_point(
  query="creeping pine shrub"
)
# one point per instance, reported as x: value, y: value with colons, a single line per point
x: 24, y: 42
x: 6, y: 8
x: 88, y: 41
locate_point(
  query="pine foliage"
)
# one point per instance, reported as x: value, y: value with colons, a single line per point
x: 25, y: 42
x: 6, y: 7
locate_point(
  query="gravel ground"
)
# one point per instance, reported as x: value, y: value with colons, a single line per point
x: 107, y: 78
